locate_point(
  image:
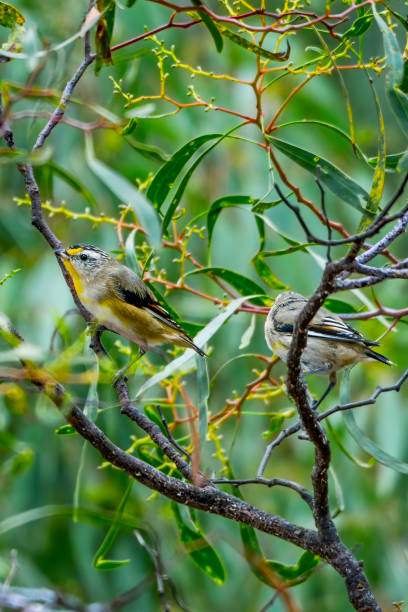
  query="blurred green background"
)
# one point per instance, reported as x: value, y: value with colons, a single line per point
x: 39, y: 468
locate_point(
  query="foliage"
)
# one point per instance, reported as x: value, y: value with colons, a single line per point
x: 166, y: 154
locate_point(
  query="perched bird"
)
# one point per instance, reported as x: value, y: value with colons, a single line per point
x: 119, y: 300
x: 331, y: 343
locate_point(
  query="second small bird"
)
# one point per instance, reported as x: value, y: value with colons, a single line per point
x: 119, y: 300
x: 331, y: 343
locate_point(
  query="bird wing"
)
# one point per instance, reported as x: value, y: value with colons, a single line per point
x: 327, y: 327
x: 333, y: 328
x: 129, y: 288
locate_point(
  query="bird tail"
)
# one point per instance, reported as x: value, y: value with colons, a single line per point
x: 195, y: 347
x: 379, y: 357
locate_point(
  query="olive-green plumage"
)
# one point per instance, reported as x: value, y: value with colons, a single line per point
x: 119, y: 300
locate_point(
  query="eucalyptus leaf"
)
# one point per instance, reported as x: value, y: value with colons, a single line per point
x: 126, y: 192
x: 332, y: 177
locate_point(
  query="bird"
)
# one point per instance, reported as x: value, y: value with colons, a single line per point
x: 331, y: 344
x: 119, y: 300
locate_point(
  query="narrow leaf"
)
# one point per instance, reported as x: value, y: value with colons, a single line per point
x: 256, y: 49
x: 335, y: 179
x: 377, y: 186
x: 199, y: 549
x: 99, y: 561
x: 241, y: 283
x: 166, y: 176
x: 211, y: 26
x: 359, y: 436
x: 126, y: 192
x: 248, y: 333
x: 183, y: 184
x: 398, y: 99
x: 266, y: 273
x: 73, y: 182
x: 203, y: 391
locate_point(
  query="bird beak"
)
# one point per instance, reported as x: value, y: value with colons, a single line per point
x: 61, y: 253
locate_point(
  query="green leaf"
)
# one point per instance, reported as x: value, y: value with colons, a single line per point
x: 241, y: 283
x: 130, y: 250
x: 73, y: 182
x: 126, y: 192
x: 398, y: 99
x: 248, y: 333
x: 378, y: 182
x: 103, y: 33
x: 9, y: 275
x: 148, y: 151
x: 200, y: 340
x: 20, y: 156
x: 224, y: 202
x: 10, y: 17
x: 366, y: 465
x: 338, y: 306
x: 65, y: 430
x: 358, y: 28
x: 99, y: 562
x: 391, y: 161
x: 203, y: 391
x: 298, y: 246
x: 275, y: 424
x: 359, y: 436
x: 183, y: 184
x: 211, y: 26
x: 332, y: 177
x: 266, y: 273
x: 253, y: 48
x: 306, y: 563
x: 130, y: 3
x: 199, y: 549
x: 153, y: 414
x: 166, y: 176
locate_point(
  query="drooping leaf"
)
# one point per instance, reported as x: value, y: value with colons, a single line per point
x: 359, y: 436
x: 9, y: 275
x: 248, y: 333
x: 148, y: 151
x: 398, y: 98
x: 198, y: 548
x: 211, y: 27
x: 183, y: 183
x: 203, y: 392
x: 281, y: 56
x: 338, y: 306
x: 332, y: 177
x: 306, y: 563
x: 241, y: 283
x: 166, y: 176
x: 125, y: 191
x: 391, y: 161
x: 71, y: 180
x: 266, y: 273
x: 378, y: 182
x: 103, y: 33
x: 224, y: 202
x: 99, y: 561
x: 358, y: 28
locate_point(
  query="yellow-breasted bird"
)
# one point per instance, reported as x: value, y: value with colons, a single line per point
x: 331, y: 343
x: 119, y: 300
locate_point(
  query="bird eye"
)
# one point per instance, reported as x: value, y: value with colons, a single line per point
x: 83, y: 256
